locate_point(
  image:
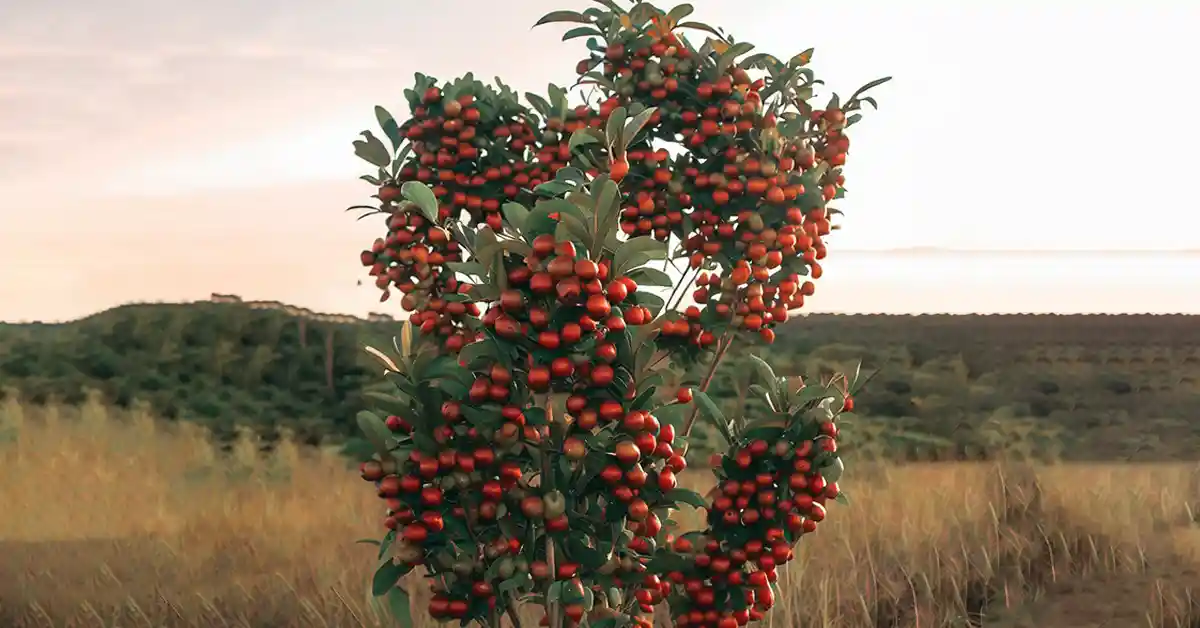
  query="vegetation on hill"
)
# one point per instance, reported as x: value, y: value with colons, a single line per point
x: 1075, y: 387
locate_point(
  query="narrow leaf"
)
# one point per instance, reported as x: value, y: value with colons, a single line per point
x: 709, y: 409
x: 563, y: 16
x: 766, y: 374
x: 581, y: 31
x: 389, y: 126
x: 872, y: 84
x: 616, y: 123
x: 400, y: 607
x: 635, y: 125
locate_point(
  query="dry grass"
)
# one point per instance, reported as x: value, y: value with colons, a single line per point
x: 115, y: 520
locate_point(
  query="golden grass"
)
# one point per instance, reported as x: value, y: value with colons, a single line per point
x: 113, y: 519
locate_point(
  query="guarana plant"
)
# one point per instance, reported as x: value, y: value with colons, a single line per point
x: 544, y: 253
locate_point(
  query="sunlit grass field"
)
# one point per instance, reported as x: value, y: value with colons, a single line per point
x: 110, y: 518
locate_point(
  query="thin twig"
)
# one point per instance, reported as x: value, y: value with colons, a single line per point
x: 722, y: 348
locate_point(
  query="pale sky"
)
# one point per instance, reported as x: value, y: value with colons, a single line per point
x: 163, y: 150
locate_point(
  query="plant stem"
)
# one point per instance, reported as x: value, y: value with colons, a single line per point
x: 511, y: 610
x: 547, y: 485
x: 722, y: 348
x: 672, y: 302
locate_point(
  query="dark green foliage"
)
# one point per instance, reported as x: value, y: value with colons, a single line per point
x: 1100, y: 379
x: 218, y: 364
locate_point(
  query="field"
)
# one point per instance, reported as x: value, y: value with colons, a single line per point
x: 111, y: 518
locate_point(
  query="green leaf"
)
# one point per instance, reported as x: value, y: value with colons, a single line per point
x: 641, y: 247
x: 679, y: 12
x: 728, y: 57
x: 871, y: 85
x: 563, y: 208
x: 538, y: 103
x: 647, y: 276
x: 701, y: 26
x: 467, y: 268
x: 635, y: 125
x: 479, y: 353
x: 686, y: 496
x: 563, y: 16
x: 515, y: 214
x: 387, y: 575
x: 607, y: 212
x: 709, y: 409
x: 766, y: 374
x: 582, y: 137
x: 761, y: 59
x: 420, y: 194
x: 553, y: 188
x: 650, y: 301
x: 372, y: 150
x: 833, y: 472
x: 389, y: 126
x: 540, y: 221
x: 517, y: 582
x: 581, y: 31
x: 399, y: 607
x: 612, y: 131
x: 554, y: 591
x: 375, y: 430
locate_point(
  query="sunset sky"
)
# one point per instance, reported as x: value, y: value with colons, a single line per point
x: 163, y: 150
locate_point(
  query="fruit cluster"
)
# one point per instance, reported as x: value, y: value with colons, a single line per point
x: 772, y: 494
x: 528, y: 455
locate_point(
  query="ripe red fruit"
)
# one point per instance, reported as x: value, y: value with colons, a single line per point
x: 666, y: 480
x: 684, y: 395
x: 574, y: 448
x: 415, y: 533
x: 543, y: 245
x: 607, y: 352
x: 638, y: 510
x: 539, y: 378
x: 628, y: 453
x: 602, y: 375
x: 532, y: 507
x: 598, y: 306
x: 618, y: 169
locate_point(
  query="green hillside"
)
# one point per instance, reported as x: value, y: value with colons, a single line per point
x: 1079, y: 387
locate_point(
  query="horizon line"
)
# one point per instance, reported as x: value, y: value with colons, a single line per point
x: 939, y: 249
x: 295, y: 310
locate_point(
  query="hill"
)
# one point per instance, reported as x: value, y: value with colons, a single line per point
x: 963, y: 387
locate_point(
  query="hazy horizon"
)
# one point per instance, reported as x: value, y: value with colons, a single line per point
x: 164, y: 151
x: 857, y: 282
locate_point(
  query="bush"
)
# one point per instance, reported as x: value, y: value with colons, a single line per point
x: 526, y: 454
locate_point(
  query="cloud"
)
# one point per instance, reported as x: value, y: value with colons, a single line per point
x: 85, y: 88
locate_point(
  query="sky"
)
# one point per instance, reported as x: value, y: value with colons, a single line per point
x: 163, y: 150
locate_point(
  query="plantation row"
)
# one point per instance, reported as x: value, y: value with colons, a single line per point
x: 225, y: 364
